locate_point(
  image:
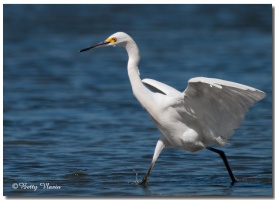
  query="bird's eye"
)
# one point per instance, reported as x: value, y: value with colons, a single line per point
x: 114, y: 39
x: 111, y: 40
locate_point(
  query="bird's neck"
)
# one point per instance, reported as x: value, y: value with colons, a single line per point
x: 133, y: 60
x: 139, y: 90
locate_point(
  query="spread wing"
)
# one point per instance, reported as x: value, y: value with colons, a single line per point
x: 217, y: 106
x: 161, y: 87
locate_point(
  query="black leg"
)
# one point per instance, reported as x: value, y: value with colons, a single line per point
x: 221, y: 153
x: 144, y: 180
x: 159, y: 147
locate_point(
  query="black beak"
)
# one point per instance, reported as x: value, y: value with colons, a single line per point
x: 94, y: 46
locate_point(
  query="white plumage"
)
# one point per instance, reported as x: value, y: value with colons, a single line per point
x: 206, y: 113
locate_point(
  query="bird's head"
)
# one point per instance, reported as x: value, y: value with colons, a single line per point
x: 119, y: 39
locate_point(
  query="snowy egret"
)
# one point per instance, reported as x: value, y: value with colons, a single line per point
x: 205, y: 114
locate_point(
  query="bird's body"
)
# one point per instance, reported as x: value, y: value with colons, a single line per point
x: 203, y: 115
x: 206, y: 113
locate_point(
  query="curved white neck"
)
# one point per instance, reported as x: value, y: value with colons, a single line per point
x: 133, y: 60
x: 139, y: 90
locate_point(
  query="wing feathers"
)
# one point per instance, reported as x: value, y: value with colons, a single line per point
x: 161, y: 87
x: 219, y: 106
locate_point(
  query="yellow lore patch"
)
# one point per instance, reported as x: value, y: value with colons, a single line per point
x: 111, y: 40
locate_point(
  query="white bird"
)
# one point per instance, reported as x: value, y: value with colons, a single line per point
x: 205, y: 114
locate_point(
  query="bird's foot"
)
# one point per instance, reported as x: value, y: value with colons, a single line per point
x: 234, y: 180
x: 143, y: 182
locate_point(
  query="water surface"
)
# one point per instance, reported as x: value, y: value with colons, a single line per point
x: 71, y: 120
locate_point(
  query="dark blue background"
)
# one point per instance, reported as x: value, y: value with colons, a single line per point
x: 71, y: 119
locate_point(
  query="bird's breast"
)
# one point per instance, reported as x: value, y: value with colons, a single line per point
x: 176, y: 133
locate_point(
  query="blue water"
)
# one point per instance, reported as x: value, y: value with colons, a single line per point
x: 72, y: 126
